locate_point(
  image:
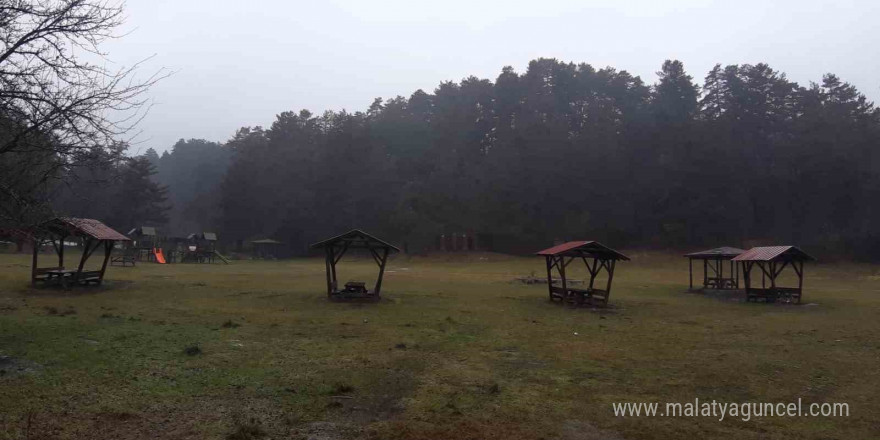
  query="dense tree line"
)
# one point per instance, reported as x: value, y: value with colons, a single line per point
x: 561, y: 151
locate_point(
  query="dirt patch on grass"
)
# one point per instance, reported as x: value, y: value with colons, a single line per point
x: 581, y: 430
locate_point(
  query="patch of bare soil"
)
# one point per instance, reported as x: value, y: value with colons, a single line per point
x: 581, y: 430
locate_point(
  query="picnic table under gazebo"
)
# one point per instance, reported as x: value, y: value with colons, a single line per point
x: 91, y: 233
x: 595, y: 256
x: 714, y: 261
x: 335, y: 247
x: 771, y: 261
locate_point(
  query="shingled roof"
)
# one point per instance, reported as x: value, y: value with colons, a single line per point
x: 772, y: 253
x: 355, y: 239
x: 83, y: 227
x: 580, y: 248
x: 721, y: 252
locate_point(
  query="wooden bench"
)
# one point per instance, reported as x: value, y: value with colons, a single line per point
x: 89, y: 276
x: 43, y: 273
x: 720, y: 283
x: 123, y: 260
x: 784, y: 294
x: 356, y: 287
x: 581, y: 296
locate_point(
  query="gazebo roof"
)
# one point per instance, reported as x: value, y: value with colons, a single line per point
x: 265, y: 241
x: 774, y: 253
x: 355, y: 239
x: 143, y: 230
x: 721, y: 252
x: 83, y: 227
x: 583, y: 248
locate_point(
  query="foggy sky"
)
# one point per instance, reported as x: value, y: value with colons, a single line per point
x: 239, y: 63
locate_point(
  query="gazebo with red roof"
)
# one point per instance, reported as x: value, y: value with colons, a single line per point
x: 93, y: 235
x: 772, y: 260
x: 560, y: 256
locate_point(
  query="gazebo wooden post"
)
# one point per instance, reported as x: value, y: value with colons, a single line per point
x: 328, y: 259
x: 87, y: 243
x: 734, y: 269
x: 37, y: 242
x: 561, y: 266
x: 705, y: 273
x: 594, y: 271
x: 61, y: 251
x: 800, y: 274
x: 610, y: 268
x: 108, y: 249
x: 763, y: 275
x: 772, y: 265
x: 691, y: 273
x: 334, y: 258
x: 381, y: 271
x: 549, y: 277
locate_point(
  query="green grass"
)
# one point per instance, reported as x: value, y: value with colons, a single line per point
x: 455, y: 349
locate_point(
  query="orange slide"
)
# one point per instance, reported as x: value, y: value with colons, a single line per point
x: 160, y: 257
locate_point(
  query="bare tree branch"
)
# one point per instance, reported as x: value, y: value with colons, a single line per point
x: 58, y: 110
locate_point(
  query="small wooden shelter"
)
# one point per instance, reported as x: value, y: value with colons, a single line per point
x: 335, y: 248
x: 713, y: 259
x: 560, y: 256
x: 265, y: 248
x: 92, y: 233
x: 772, y: 260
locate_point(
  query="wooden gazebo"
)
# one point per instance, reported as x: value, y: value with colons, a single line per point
x: 560, y: 256
x: 265, y: 248
x: 771, y: 260
x: 92, y: 233
x: 335, y: 248
x: 714, y: 260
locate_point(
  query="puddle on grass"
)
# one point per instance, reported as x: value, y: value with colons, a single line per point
x: 10, y: 366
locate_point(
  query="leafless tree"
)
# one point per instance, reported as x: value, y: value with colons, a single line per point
x: 61, y: 107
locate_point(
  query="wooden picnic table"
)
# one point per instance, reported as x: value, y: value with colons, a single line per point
x: 60, y: 275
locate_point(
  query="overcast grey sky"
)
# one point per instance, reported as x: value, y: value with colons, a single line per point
x: 239, y: 63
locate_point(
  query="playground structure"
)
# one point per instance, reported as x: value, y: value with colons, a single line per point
x: 91, y: 233
x: 560, y: 256
x: 201, y: 248
x: 334, y: 248
x: 144, y: 240
x: 713, y: 259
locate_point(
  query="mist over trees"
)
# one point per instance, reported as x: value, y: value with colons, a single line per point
x: 560, y: 151
x: 60, y: 109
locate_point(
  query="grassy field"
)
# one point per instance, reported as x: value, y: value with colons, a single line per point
x: 456, y: 349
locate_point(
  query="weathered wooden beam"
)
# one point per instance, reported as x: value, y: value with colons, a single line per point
x: 549, y: 276
x: 341, y: 253
x: 328, y: 257
x: 378, y: 288
x: 108, y: 249
x: 37, y: 243
x: 610, y: 278
x: 691, y: 273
